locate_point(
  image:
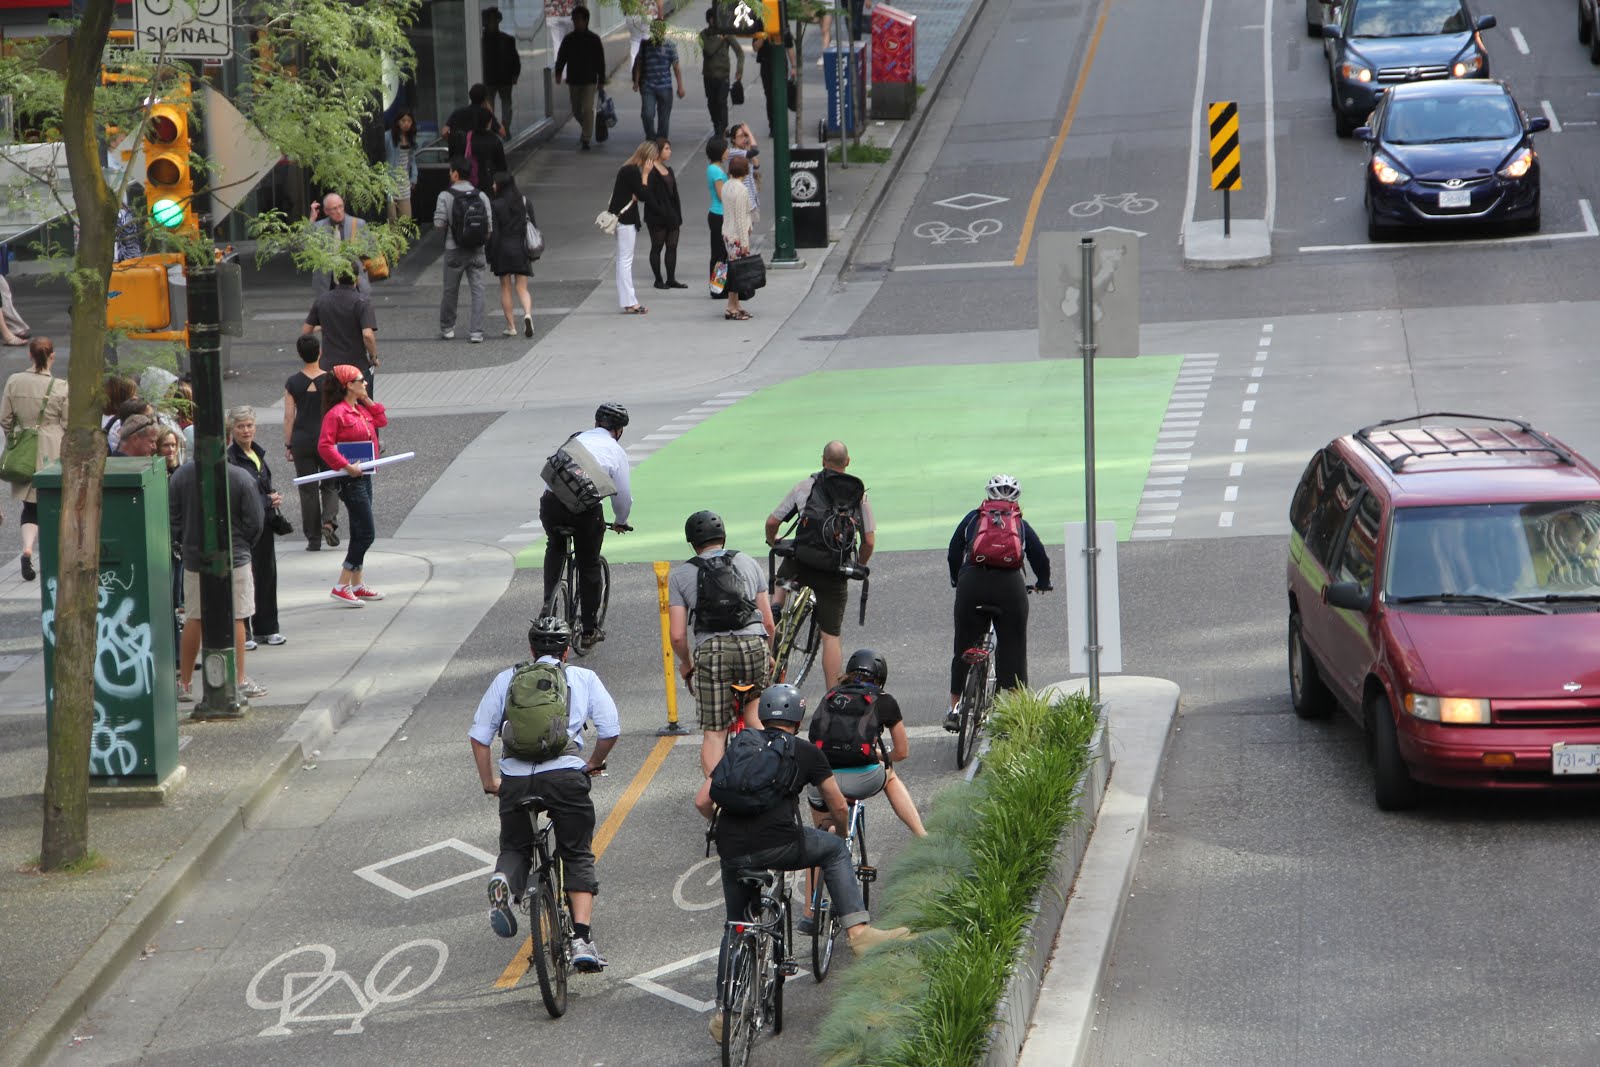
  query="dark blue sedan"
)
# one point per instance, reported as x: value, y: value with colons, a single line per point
x: 1448, y: 153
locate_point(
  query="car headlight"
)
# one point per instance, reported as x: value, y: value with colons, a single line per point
x: 1468, y: 66
x: 1452, y: 711
x: 1386, y: 172
x: 1518, y: 165
x: 1355, y: 72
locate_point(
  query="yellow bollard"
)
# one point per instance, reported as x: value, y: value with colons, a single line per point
x: 669, y: 674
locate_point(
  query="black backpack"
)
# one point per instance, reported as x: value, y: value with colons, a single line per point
x: 825, y: 538
x: 720, y: 601
x: 845, y: 727
x: 469, y: 219
x: 758, y: 772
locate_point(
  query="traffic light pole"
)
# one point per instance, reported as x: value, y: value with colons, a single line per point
x: 783, y: 254
x: 220, y: 697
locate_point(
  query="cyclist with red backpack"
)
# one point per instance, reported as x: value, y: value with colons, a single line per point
x: 986, y: 556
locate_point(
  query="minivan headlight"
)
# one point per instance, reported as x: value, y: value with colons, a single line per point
x: 1355, y: 72
x: 1451, y: 711
x: 1467, y: 65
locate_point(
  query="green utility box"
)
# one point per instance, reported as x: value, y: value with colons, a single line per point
x: 135, y: 740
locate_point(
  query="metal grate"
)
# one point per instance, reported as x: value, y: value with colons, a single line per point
x: 1499, y: 440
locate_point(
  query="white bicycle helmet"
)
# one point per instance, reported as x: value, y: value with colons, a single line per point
x: 1002, y: 487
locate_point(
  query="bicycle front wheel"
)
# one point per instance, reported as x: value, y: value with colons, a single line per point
x: 858, y: 857
x: 808, y: 650
x: 557, y: 604
x: 549, y: 949
x: 784, y: 643
x: 605, y: 594
x: 741, y: 989
x: 822, y: 930
x: 972, y: 709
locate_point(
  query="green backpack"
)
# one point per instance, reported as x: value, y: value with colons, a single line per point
x: 537, y: 707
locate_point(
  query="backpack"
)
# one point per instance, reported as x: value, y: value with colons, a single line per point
x: 720, y: 602
x: 469, y: 219
x: 758, y: 772
x: 537, y: 709
x: 825, y: 537
x: 998, y: 540
x: 845, y: 727
x: 576, y: 478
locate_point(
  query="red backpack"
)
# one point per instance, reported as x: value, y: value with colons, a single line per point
x: 998, y: 540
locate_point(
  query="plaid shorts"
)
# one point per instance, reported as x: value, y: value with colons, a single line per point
x: 720, y: 661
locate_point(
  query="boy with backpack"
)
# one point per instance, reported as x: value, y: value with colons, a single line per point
x: 752, y: 799
x: 538, y: 710
x: 833, y: 526
x: 463, y: 213
x: 723, y: 594
x: 985, y: 556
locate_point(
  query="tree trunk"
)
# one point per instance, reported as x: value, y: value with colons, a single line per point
x: 83, y: 456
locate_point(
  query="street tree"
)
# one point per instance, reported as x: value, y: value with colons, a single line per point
x: 311, y: 81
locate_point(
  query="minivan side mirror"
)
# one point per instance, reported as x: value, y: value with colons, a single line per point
x: 1362, y: 133
x: 1332, y: 31
x: 1538, y: 125
x: 1346, y: 595
x: 1485, y: 22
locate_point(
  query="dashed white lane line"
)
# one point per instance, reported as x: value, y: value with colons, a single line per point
x: 1249, y: 405
x: 1266, y: 327
x: 1242, y: 444
x: 1550, y: 113
x: 1231, y: 493
x: 1157, y: 505
x: 1141, y: 534
x: 1520, y: 41
x: 1178, y: 480
x: 1225, y: 519
x: 1244, y: 424
x: 1253, y: 388
x: 1235, y: 470
x: 1155, y: 494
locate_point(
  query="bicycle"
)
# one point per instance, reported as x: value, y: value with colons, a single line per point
x: 977, y: 693
x: 825, y: 923
x: 563, y: 599
x: 1132, y: 203
x: 549, y: 914
x: 758, y: 962
x: 797, y: 631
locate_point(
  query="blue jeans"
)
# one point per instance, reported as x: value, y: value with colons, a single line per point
x: 655, y: 111
x: 357, y: 496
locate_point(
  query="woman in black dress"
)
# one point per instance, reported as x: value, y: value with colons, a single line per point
x: 663, y: 213
x: 508, y: 252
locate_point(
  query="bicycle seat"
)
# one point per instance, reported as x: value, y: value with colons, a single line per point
x: 990, y: 610
x: 783, y: 548
x: 559, y: 531
x: 753, y: 877
x: 531, y: 805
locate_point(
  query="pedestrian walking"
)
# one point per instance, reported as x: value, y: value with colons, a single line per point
x: 464, y: 214
x: 250, y: 457
x: 716, y: 176
x: 119, y: 390
x: 502, y: 66
x: 766, y: 55
x: 508, y: 252
x: 718, y: 54
x: 336, y: 226
x: 663, y: 214
x: 628, y: 196
x: 302, y: 425
x: 14, y: 330
x: 464, y: 119
x: 402, y: 155
x: 736, y: 225
x: 581, y: 58
x: 349, y: 326
x: 353, y: 418
x: 655, y: 70
x: 34, y: 400
x: 486, y: 152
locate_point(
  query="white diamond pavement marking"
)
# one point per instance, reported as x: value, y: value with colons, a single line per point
x: 370, y: 872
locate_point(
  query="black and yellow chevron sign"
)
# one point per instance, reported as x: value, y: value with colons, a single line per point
x: 1225, y: 145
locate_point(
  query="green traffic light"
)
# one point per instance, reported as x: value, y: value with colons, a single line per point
x: 167, y: 214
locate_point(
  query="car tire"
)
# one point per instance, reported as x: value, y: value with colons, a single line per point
x: 1342, y: 126
x: 1313, y: 29
x: 1308, y: 693
x: 1376, y: 233
x: 1532, y: 223
x: 1585, y: 27
x: 1393, y: 787
x: 1594, y: 47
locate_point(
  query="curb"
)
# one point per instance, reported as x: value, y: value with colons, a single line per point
x: 36, y: 1040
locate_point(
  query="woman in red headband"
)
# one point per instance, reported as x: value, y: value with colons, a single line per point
x: 352, y: 418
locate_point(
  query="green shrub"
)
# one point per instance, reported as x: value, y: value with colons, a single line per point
x: 967, y: 888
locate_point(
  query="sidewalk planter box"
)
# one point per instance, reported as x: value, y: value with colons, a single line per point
x: 894, y: 63
x: 135, y: 739
x: 808, y: 192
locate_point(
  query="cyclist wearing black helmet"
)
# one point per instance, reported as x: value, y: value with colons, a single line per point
x: 723, y: 594
x: 561, y: 782
x: 775, y: 839
x: 601, y: 470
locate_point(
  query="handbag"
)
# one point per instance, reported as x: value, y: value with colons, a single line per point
x: 377, y: 267
x: 747, y: 273
x: 532, y: 239
x: 607, y: 222
x: 278, y: 524
x: 21, y: 459
x: 736, y: 94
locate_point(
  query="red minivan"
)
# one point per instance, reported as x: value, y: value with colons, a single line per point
x: 1444, y: 588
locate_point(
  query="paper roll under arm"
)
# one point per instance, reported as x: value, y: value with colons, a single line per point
x: 365, y: 465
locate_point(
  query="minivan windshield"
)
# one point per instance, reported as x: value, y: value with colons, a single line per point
x: 1407, y: 18
x: 1547, y: 551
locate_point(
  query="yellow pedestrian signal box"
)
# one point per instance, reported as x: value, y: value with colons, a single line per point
x: 139, y: 300
x: 169, y: 182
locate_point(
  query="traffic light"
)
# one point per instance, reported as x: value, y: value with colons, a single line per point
x: 748, y: 18
x: 169, y: 184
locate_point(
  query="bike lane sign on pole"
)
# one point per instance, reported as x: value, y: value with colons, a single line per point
x: 1115, y: 287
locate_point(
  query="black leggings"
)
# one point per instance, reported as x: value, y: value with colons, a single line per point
x: 1003, y: 589
x: 664, y: 237
x: 719, y: 247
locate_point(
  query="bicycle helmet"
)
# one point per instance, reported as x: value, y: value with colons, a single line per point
x: 1002, y: 487
x: 869, y: 664
x: 703, y: 527
x: 549, y: 635
x: 781, y: 703
x: 611, y: 416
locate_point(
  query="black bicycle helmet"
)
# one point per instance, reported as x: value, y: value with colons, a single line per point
x: 869, y: 664
x: 611, y: 416
x: 549, y: 635
x: 703, y: 527
x: 782, y: 703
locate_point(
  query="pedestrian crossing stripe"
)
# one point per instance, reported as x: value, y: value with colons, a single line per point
x: 1224, y: 115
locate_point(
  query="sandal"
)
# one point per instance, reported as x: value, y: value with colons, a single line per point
x: 736, y: 316
x: 637, y: 309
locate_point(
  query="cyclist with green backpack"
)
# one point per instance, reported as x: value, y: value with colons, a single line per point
x: 539, y: 710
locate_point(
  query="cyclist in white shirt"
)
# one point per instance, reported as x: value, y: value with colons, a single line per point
x: 588, y: 527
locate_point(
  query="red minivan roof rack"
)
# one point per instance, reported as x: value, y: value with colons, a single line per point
x: 1498, y: 440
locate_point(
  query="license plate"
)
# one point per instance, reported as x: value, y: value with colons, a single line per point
x: 1455, y: 197
x: 1574, y: 759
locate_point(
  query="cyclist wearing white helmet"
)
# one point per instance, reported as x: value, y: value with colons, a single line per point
x: 986, y: 556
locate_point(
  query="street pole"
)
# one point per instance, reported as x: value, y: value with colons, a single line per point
x: 220, y: 694
x: 783, y: 253
x: 1091, y: 550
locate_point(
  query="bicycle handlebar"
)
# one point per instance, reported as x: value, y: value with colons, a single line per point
x: 619, y: 527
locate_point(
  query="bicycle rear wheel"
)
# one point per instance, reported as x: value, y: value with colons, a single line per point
x: 808, y: 650
x: 740, y: 990
x: 787, y: 638
x: 549, y: 949
x: 858, y: 857
x: 972, y: 709
x: 823, y: 930
x: 557, y: 604
x: 605, y: 594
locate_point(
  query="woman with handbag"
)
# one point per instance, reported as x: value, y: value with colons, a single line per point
x: 244, y: 453
x: 664, y: 215
x: 510, y: 255
x: 33, y: 413
x: 624, y: 214
x: 736, y: 226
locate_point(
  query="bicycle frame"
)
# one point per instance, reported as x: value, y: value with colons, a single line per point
x: 764, y: 932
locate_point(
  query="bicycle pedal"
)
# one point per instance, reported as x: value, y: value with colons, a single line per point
x: 788, y: 968
x: 867, y: 874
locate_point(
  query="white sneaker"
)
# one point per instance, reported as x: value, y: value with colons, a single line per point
x: 501, y: 919
x: 276, y: 639
x: 586, y: 959
x: 249, y: 644
x: 251, y: 690
x: 448, y: 335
